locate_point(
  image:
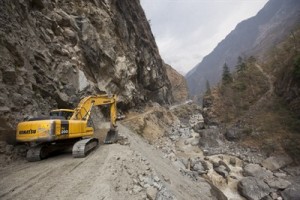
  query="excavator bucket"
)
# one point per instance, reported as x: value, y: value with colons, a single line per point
x: 111, y: 137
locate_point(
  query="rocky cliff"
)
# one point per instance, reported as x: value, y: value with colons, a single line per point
x: 179, y: 85
x: 252, y: 37
x: 55, y: 52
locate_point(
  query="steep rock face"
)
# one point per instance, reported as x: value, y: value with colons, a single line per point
x: 55, y: 52
x: 252, y: 37
x: 179, y: 85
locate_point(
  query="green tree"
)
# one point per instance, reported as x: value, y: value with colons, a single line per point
x: 297, y: 67
x: 241, y: 65
x: 226, y: 77
x: 208, y: 91
x: 251, y: 59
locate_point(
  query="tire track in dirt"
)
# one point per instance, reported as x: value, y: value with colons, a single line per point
x: 46, y: 176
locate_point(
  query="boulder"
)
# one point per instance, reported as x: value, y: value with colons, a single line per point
x: 277, y: 183
x: 274, y: 195
x: 253, y: 188
x: 232, y: 161
x: 151, y: 193
x: 199, y: 166
x: 221, y: 162
x: 69, y: 33
x: 232, y: 135
x: 292, y: 192
x: 274, y: 163
x: 194, y: 142
x: 222, y: 170
x: 197, y: 122
x: 210, y: 138
x: 257, y: 171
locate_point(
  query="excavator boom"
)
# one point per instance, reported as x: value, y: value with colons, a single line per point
x: 83, y: 112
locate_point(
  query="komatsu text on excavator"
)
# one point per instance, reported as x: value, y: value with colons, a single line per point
x: 65, y: 126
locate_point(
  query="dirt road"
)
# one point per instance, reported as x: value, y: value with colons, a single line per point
x: 134, y: 171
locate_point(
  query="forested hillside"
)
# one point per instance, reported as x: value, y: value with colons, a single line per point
x: 261, y: 99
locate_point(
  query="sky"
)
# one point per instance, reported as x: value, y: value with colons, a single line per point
x: 187, y: 30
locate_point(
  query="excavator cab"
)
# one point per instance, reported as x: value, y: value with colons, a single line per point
x: 64, y: 113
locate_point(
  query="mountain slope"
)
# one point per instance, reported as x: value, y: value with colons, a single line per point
x: 261, y: 105
x: 178, y: 83
x: 252, y: 37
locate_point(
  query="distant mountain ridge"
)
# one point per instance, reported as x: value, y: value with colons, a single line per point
x: 252, y: 37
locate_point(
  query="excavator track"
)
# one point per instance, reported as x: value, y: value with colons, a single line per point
x: 44, y: 150
x: 37, y: 153
x: 111, y: 137
x: 84, y: 147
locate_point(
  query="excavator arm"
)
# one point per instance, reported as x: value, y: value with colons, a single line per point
x: 83, y: 112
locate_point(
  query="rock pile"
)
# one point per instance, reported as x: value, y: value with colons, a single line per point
x: 140, y: 180
x: 269, y: 183
x: 197, y: 122
x: 234, y: 169
x: 9, y: 153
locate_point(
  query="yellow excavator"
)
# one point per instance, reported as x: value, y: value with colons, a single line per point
x: 64, y: 127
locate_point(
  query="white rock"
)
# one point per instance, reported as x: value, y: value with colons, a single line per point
x: 156, y: 179
x: 157, y: 185
x: 195, y: 142
x: 137, y: 189
x: 151, y: 193
x: 135, y: 181
x: 82, y: 81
